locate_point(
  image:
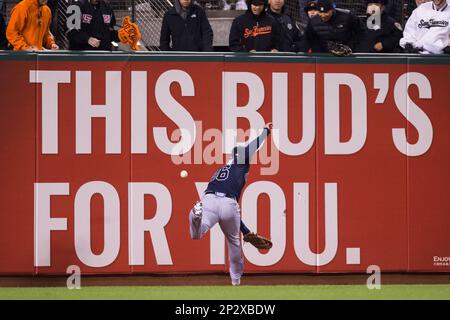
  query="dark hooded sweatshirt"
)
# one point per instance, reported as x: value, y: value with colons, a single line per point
x: 97, y: 21
x: 187, y: 30
x: 388, y: 33
x: 3, y: 40
x: 290, y: 35
x: 249, y: 32
x: 342, y: 28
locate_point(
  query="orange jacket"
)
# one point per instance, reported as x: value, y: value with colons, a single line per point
x: 29, y: 26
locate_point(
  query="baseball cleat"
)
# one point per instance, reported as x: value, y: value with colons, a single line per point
x: 195, y: 218
x: 235, y: 282
x: 197, y: 213
x: 197, y: 210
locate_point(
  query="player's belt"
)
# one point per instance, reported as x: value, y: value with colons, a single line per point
x: 221, y: 194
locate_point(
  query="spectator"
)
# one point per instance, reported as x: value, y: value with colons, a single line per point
x: 255, y: 30
x: 28, y: 27
x: 331, y: 25
x: 311, y: 9
x: 381, y: 36
x: 186, y: 26
x: 3, y: 41
x: 97, y: 27
x: 290, y: 36
x: 303, y: 13
x: 234, y: 5
x: 428, y: 29
x: 419, y: 2
x: 393, y: 9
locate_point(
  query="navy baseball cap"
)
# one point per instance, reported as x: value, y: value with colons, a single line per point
x: 325, y: 5
x: 257, y: 2
x: 311, y: 5
x: 383, y: 2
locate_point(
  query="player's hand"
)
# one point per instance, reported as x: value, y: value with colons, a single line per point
x: 258, y: 241
x: 269, y: 125
x: 94, y: 42
x: 252, y: 51
x: 54, y: 47
x: 274, y: 50
x: 410, y: 48
x: 378, y: 46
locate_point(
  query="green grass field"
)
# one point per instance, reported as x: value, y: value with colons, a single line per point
x: 233, y: 293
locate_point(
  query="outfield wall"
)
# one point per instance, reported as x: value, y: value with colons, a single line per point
x: 356, y: 175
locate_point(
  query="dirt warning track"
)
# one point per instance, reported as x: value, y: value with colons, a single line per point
x: 223, y: 279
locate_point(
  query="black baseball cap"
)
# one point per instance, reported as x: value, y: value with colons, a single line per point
x: 383, y: 2
x: 257, y: 2
x: 311, y: 5
x: 325, y: 5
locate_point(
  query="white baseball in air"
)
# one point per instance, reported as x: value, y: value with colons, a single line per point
x: 183, y: 174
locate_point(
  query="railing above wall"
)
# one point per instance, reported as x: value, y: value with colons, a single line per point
x: 377, y: 58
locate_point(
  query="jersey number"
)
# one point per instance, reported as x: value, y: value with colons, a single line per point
x: 223, y: 173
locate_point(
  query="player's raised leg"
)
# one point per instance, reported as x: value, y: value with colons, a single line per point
x: 229, y: 221
x: 203, y: 216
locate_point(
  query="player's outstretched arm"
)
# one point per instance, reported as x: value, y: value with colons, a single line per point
x: 253, y: 146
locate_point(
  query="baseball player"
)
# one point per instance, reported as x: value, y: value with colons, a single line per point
x: 428, y: 29
x: 220, y: 203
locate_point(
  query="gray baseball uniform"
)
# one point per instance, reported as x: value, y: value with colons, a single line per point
x: 220, y: 205
x: 218, y: 208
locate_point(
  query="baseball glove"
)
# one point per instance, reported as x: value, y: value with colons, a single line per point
x: 129, y: 33
x: 339, y: 49
x: 258, y: 241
